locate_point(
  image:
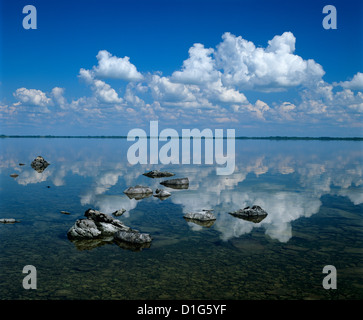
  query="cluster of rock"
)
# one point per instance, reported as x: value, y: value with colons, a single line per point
x: 139, y: 192
x: 206, y: 217
x: 101, y: 226
x: 39, y: 164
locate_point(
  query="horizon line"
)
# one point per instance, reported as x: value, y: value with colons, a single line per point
x: 148, y: 137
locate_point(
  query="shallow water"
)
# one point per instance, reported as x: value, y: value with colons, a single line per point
x: 311, y: 190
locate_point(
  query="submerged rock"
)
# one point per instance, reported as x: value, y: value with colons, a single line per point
x: 8, y: 220
x: 204, y: 215
x: 181, y: 183
x: 254, y: 214
x: 162, y: 194
x: 138, y: 192
x: 39, y: 164
x: 158, y: 174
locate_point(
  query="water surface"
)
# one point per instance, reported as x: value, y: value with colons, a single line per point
x: 311, y: 190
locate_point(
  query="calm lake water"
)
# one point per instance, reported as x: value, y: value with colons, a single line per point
x: 311, y: 190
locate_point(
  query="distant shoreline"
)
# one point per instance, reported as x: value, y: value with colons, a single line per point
x: 237, y: 138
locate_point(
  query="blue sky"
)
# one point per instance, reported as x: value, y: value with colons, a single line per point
x: 105, y: 67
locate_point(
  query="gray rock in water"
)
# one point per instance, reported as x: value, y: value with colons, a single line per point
x: 204, y: 215
x: 138, y: 192
x: 158, y: 174
x: 100, y: 228
x: 254, y: 214
x: 162, y: 194
x: 106, y: 223
x: 8, y: 220
x: 132, y: 236
x: 97, y: 224
x: 98, y: 216
x: 39, y: 164
x: 119, y: 212
x: 85, y: 229
x: 181, y: 183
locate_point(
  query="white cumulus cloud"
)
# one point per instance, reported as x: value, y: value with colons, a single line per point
x: 58, y: 97
x: 103, y: 91
x: 219, y: 85
x: 355, y: 84
x: 32, y: 97
x: 199, y: 68
x: 113, y: 67
x: 246, y: 66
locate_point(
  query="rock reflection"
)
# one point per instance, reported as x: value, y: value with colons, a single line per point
x: 254, y: 219
x: 139, y: 196
x: 179, y: 187
x: 206, y: 224
x: 90, y: 244
x: 133, y: 246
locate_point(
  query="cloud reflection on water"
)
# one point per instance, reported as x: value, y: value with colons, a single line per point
x: 285, y: 182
